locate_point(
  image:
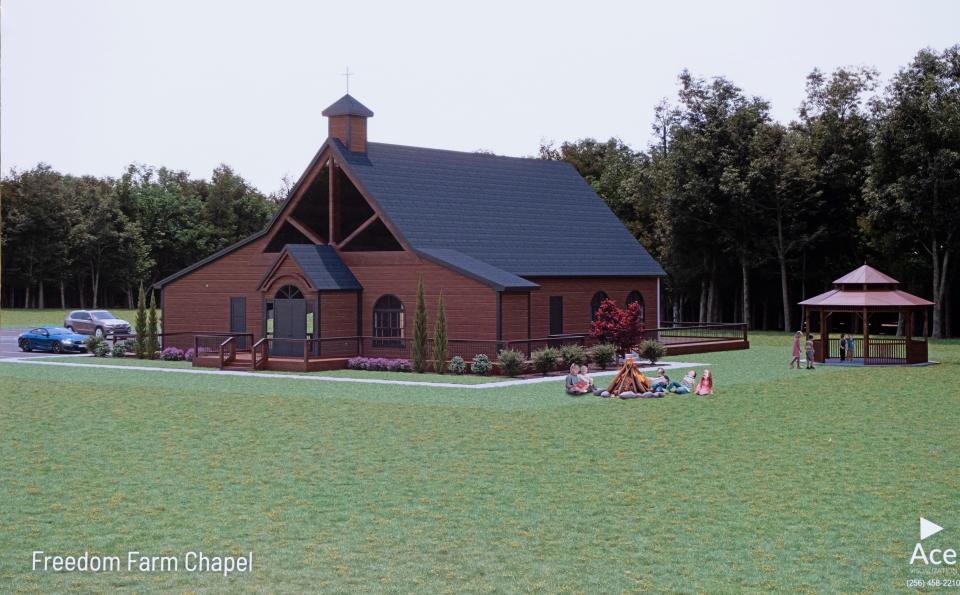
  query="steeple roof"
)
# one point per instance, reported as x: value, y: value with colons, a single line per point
x: 347, y: 106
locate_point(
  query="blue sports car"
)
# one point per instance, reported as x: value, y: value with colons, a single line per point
x: 51, y: 338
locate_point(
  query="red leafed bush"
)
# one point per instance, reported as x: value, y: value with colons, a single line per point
x: 621, y: 326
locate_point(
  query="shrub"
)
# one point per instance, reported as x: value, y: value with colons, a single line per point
x: 572, y: 354
x: 188, y: 354
x: 545, y: 360
x: 172, y: 354
x: 622, y: 327
x: 512, y: 362
x: 457, y: 365
x: 481, y: 364
x: 97, y: 346
x: 379, y: 364
x: 152, y: 343
x: 652, y: 350
x: 140, y: 326
x: 119, y: 349
x: 604, y: 354
x: 419, y: 352
x: 440, y: 338
x: 399, y: 365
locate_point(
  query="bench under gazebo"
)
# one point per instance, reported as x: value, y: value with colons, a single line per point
x: 860, y: 294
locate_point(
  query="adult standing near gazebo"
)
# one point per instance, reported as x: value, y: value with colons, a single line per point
x: 863, y: 292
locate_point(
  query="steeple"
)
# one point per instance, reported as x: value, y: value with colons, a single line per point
x: 347, y: 120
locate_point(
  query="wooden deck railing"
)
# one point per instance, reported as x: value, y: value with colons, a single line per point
x: 225, y: 346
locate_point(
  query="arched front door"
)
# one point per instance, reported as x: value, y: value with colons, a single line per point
x: 289, y: 321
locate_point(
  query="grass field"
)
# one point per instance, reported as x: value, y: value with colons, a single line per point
x: 20, y: 318
x: 808, y: 481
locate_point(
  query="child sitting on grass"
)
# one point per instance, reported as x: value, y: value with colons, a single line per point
x: 585, y: 377
x: 660, y: 382
x: 686, y: 386
x: 706, y: 383
x: 575, y: 385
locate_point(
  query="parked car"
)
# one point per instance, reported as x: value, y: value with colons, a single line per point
x: 96, y: 322
x: 51, y: 338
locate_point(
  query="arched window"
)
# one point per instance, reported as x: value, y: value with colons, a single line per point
x: 595, y: 303
x: 289, y: 292
x: 388, y: 322
x: 634, y: 297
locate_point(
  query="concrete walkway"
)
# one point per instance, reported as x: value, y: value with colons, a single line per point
x: 486, y: 385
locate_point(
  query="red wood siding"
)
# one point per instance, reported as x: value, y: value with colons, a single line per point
x: 471, y: 307
x: 358, y: 131
x: 338, y: 314
x: 577, y: 293
x: 513, y: 308
x: 200, y: 300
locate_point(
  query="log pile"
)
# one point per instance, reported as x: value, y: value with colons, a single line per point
x: 629, y: 379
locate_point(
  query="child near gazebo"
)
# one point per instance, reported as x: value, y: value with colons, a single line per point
x: 810, y: 352
x: 796, y: 349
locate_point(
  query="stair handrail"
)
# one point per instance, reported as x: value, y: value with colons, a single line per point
x: 232, y: 343
x: 264, y: 342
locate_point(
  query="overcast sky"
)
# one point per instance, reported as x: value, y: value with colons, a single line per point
x: 90, y: 86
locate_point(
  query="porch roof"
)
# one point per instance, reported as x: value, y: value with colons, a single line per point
x: 321, y: 267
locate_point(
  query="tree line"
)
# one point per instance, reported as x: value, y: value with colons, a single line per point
x: 90, y: 241
x: 749, y: 216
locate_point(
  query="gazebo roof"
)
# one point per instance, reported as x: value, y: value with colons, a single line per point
x: 866, y: 275
x: 866, y: 287
x: 893, y: 298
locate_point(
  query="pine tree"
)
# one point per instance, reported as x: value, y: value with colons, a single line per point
x: 140, y: 326
x: 152, y: 344
x: 419, y: 355
x: 440, y: 339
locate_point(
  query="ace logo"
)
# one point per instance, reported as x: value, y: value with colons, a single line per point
x: 936, y: 557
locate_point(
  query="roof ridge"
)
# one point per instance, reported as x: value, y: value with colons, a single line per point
x: 474, y: 153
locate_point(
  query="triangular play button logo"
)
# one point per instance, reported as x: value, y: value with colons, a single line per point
x: 928, y: 528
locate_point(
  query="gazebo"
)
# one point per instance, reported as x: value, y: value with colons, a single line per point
x: 861, y: 293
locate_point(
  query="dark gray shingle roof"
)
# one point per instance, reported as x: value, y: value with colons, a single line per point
x: 323, y: 267
x: 476, y: 269
x: 528, y: 217
x: 347, y: 106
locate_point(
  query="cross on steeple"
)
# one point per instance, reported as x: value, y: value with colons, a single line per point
x: 347, y: 74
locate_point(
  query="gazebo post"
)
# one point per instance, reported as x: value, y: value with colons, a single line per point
x: 925, y: 328
x: 909, y: 338
x: 866, y: 336
x: 824, y: 337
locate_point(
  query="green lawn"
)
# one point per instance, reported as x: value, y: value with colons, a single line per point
x: 20, y: 318
x: 807, y: 481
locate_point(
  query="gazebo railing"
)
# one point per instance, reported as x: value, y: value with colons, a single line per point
x: 881, y: 350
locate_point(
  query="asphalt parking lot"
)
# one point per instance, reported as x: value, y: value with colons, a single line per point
x: 9, y: 349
